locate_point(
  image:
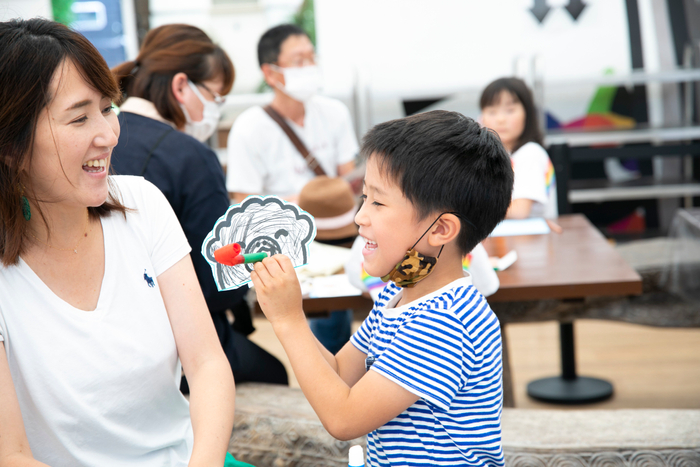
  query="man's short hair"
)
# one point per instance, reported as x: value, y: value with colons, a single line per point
x: 271, y: 42
x: 446, y: 162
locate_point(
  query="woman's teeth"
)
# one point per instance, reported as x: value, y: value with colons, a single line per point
x: 97, y: 165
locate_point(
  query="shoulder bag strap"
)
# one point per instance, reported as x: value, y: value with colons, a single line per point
x: 305, y: 153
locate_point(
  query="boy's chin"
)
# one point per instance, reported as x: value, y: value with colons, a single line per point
x: 377, y: 271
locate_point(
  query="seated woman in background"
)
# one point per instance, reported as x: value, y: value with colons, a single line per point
x: 508, y: 108
x: 99, y: 302
x: 173, y: 92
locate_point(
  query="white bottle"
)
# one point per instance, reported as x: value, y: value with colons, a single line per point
x: 356, y: 457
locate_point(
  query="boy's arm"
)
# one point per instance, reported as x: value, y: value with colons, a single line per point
x: 346, y: 412
x: 348, y: 363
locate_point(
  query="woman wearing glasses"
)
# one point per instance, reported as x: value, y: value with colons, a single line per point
x: 173, y: 93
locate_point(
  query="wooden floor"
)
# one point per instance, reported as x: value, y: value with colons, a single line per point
x: 649, y: 367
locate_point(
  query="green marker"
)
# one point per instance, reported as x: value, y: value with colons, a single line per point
x: 253, y: 257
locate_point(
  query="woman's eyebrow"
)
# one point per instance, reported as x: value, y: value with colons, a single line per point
x: 80, y: 104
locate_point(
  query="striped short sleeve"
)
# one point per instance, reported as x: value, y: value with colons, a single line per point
x: 362, y: 338
x: 427, y: 357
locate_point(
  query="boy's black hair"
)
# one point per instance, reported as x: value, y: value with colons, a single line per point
x: 446, y: 162
x: 519, y: 90
x: 271, y: 42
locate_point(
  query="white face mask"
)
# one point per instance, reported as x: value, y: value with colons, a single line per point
x: 211, y: 114
x: 301, y: 83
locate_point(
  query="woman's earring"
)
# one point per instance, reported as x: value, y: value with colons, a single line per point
x: 26, y: 209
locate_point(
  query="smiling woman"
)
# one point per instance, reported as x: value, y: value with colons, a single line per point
x: 32, y: 70
x: 98, y: 295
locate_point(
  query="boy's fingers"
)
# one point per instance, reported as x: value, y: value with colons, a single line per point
x: 272, y: 266
x: 284, y: 262
x: 259, y: 274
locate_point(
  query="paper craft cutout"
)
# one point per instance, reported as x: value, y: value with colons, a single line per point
x: 259, y: 224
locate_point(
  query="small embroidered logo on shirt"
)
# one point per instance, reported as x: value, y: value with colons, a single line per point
x: 148, y: 279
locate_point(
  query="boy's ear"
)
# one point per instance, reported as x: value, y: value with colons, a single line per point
x: 445, y: 230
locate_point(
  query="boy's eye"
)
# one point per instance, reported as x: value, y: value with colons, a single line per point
x: 375, y: 203
x: 363, y: 197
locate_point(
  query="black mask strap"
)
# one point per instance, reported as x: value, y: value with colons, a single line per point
x: 431, y: 226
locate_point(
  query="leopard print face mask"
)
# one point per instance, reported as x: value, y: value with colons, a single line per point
x: 414, y: 267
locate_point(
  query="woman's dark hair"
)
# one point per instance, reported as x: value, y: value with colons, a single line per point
x: 166, y: 51
x: 271, y: 42
x: 31, y: 51
x: 444, y: 162
x: 521, y: 93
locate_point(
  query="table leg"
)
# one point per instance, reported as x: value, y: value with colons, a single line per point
x: 508, y: 399
x: 569, y: 388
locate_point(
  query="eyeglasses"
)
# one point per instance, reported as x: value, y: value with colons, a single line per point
x: 297, y: 62
x: 217, y: 97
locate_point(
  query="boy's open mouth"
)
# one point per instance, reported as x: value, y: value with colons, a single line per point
x: 369, y: 245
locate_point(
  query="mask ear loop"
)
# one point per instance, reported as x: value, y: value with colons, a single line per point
x: 434, y: 222
x: 427, y: 230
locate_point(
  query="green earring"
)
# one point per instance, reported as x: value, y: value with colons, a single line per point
x: 26, y: 210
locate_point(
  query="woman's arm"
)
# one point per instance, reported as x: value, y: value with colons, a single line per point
x: 519, y: 209
x: 14, y: 446
x: 212, y: 389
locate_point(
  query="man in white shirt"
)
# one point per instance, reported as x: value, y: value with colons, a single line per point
x: 261, y: 157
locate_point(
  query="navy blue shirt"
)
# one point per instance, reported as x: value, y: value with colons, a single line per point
x: 190, y: 176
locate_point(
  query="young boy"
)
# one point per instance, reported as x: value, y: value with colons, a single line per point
x: 422, y: 375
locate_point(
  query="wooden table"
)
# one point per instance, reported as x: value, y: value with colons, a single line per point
x: 573, y: 265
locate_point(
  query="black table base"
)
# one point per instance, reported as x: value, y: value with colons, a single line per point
x: 569, y: 388
x: 581, y: 390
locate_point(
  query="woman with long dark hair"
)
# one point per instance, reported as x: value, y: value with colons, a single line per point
x: 99, y: 302
x: 508, y: 108
x: 173, y: 92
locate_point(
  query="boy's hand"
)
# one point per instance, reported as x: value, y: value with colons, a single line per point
x: 278, y: 289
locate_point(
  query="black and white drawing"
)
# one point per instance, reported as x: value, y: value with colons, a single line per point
x: 259, y: 224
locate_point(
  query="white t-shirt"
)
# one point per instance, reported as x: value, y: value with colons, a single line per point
x: 101, y: 388
x: 263, y: 160
x: 535, y: 180
x: 476, y: 263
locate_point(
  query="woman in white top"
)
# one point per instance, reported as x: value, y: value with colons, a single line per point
x: 508, y: 108
x: 99, y: 302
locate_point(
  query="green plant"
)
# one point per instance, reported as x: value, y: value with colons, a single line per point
x: 306, y: 20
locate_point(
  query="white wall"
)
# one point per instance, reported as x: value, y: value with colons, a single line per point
x: 25, y: 9
x: 236, y: 26
x: 415, y: 48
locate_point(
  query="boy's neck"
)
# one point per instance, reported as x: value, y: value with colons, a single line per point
x: 447, y: 270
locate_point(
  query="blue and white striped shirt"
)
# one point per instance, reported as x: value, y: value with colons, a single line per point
x: 445, y: 348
